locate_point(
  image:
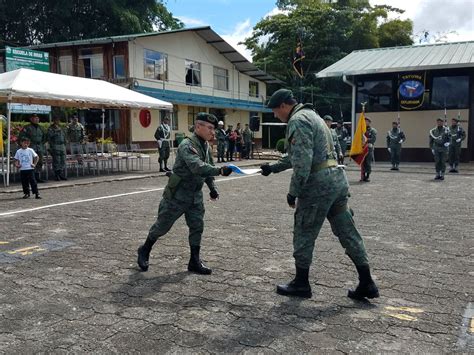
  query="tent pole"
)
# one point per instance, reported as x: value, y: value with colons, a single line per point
x: 9, y: 118
x: 103, y: 129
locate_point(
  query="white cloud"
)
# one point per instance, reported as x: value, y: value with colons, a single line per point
x: 190, y: 22
x: 241, y: 31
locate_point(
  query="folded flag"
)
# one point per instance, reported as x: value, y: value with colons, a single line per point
x: 238, y: 170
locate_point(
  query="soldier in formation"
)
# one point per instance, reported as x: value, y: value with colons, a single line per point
x: 247, y: 139
x: 194, y: 166
x: 439, y: 144
x: 57, y: 145
x: 76, y: 135
x: 338, y: 156
x: 318, y: 190
x: 162, y: 136
x: 371, y: 136
x: 37, y: 138
x: 342, y: 136
x: 457, y: 135
x: 395, y: 138
x: 220, y: 137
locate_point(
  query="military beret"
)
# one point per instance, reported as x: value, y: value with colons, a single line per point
x: 327, y: 118
x: 455, y: 119
x: 368, y: 119
x: 279, y: 97
x: 207, y: 117
x: 439, y: 119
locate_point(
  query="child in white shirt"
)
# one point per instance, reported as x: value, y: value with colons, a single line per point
x: 25, y: 160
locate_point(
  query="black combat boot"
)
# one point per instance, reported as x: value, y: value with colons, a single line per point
x: 144, y: 254
x: 195, y: 263
x: 452, y: 170
x: 298, y: 287
x: 366, y: 287
x: 366, y: 178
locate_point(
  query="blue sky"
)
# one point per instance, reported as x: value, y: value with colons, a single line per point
x: 234, y: 19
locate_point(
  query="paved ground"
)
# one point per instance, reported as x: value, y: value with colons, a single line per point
x: 70, y: 282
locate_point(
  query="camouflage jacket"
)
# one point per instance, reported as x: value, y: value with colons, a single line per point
x: 76, y: 133
x: 371, y: 135
x: 342, y: 135
x: 247, y: 135
x: 455, y: 133
x: 310, y: 144
x: 335, y: 140
x: 394, y: 136
x: 220, y: 135
x: 56, y: 137
x: 438, y: 137
x: 36, y: 136
x: 193, y: 167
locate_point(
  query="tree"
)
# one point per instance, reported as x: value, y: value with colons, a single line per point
x: 328, y: 32
x: 27, y: 22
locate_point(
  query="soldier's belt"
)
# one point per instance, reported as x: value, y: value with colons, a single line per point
x: 324, y: 165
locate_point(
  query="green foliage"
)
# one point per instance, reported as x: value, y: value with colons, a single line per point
x: 280, y: 145
x: 328, y: 33
x: 29, y: 22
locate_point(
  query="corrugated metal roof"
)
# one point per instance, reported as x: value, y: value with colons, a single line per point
x: 205, y: 32
x: 409, y: 58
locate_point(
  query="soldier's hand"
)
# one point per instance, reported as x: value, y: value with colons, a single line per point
x: 458, y: 140
x: 214, y: 195
x: 266, y: 169
x: 446, y: 144
x: 226, y: 171
x: 291, y: 200
x: 433, y: 151
x: 400, y: 141
x: 389, y: 150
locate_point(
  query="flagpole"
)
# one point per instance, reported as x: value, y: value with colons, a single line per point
x: 362, y: 171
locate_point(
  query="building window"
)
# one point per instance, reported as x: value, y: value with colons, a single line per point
x: 173, y: 116
x: 91, y: 63
x: 119, y: 67
x: 253, y: 88
x: 65, y: 65
x: 377, y: 95
x: 192, y: 112
x: 221, y: 79
x: 193, y: 73
x: 450, y: 92
x: 155, y: 65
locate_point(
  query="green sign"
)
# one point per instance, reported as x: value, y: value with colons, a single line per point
x: 17, y: 58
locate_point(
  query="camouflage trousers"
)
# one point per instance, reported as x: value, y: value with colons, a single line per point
x: 440, y: 160
x: 164, y: 153
x: 170, y: 210
x: 310, y: 216
x: 59, y: 159
x: 395, y: 152
x: 454, y: 154
x: 367, y: 165
x: 220, y: 149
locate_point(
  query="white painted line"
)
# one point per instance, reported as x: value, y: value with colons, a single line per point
x: 4, y: 214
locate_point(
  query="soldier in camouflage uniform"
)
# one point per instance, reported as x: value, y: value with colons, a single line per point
x: 220, y: 136
x: 395, y: 138
x: 37, y: 138
x: 457, y: 135
x: 76, y: 134
x: 247, y: 139
x: 371, y: 135
x: 162, y: 136
x: 57, y: 145
x: 342, y: 136
x: 439, y: 143
x: 318, y: 190
x: 193, y: 167
x: 337, y: 146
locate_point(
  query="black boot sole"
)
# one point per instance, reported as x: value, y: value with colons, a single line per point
x: 284, y: 291
x: 361, y: 295
x: 199, y: 270
x: 142, y: 260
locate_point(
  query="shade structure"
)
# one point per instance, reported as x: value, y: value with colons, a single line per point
x: 29, y: 86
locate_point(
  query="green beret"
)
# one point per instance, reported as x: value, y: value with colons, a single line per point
x: 439, y: 119
x: 279, y: 97
x: 327, y: 118
x: 207, y: 117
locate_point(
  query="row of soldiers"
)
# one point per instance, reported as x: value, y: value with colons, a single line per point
x: 233, y: 140
x: 56, y: 137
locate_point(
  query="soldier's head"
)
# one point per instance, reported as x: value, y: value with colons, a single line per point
x: 454, y: 121
x: 34, y: 119
x: 439, y: 122
x: 220, y: 124
x: 166, y: 120
x: 281, y: 103
x: 56, y: 120
x: 328, y: 120
x: 25, y: 142
x: 394, y: 124
x: 205, y: 125
x: 368, y: 121
x: 339, y: 124
x: 74, y: 119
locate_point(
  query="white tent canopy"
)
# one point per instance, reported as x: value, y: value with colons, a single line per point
x: 43, y: 88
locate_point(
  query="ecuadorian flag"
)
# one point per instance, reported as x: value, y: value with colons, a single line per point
x: 359, y: 147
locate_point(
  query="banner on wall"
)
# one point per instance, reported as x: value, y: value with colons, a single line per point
x: 411, y: 90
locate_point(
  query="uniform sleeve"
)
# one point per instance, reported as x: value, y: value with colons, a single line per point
x: 463, y: 134
x: 388, y: 139
x: 281, y: 165
x: 337, y: 146
x: 194, y: 163
x: 373, y: 136
x: 301, y: 157
x: 431, y: 141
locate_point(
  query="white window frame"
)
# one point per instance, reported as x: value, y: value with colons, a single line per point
x: 256, y: 84
x: 221, y: 74
x: 155, y: 65
x: 195, y: 68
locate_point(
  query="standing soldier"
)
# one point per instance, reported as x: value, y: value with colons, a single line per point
x: 194, y: 166
x: 457, y: 134
x: 247, y: 138
x: 37, y: 138
x: 57, y: 146
x: 220, y: 136
x: 337, y: 146
x: 162, y: 136
x: 76, y: 134
x: 395, y: 138
x: 318, y: 190
x: 439, y: 143
x: 371, y: 135
x: 342, y: 136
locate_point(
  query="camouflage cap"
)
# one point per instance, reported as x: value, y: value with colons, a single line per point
x: 327, y: 118
x: 207, y: 117
x: 279, y: 97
